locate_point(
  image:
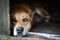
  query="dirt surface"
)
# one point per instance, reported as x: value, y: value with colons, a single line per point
x: 46, y: 28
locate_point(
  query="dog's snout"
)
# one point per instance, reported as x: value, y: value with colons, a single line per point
x: 19, y: 29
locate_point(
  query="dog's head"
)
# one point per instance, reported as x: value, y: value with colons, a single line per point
x: 21, y: 18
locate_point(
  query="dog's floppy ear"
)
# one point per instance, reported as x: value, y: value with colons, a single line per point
x: 40, y: 15
x: 35, y: 17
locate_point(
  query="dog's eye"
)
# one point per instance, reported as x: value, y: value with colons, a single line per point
x: 25, y: 20
x: 13, y: 20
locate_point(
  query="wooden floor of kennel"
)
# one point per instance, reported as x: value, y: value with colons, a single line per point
x: 4, y: 24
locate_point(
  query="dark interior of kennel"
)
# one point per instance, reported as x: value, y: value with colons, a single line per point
x: 53, y: 8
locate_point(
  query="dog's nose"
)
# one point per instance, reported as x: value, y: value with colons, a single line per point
x: 19, y: 29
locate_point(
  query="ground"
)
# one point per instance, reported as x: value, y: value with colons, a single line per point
x: 46, y: 28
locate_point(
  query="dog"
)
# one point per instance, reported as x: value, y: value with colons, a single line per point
x: 23, y: 16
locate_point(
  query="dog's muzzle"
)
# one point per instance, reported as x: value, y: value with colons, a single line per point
x: 19, y: 31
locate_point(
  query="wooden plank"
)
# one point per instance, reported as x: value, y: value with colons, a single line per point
x: 1, y: 15
x: 21, y: 38
x: 2, y: 33
x: 28, y: 37
x: 5, y: 13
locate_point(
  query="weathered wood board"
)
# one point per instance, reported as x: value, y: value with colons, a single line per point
x: 4, y: 16
x: 1, y: 10
x: 22, y: 38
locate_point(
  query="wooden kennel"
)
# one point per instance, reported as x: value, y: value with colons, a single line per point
x: 5, y: 25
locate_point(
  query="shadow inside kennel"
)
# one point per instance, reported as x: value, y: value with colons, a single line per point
x: 52, y: 27
x: 53, y: 9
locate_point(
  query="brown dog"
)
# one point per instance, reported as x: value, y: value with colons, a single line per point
x: 22, y: 17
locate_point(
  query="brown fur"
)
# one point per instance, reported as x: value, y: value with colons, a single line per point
x: 16, y: 12
x: 21, y: 11
x: 30, y: 10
